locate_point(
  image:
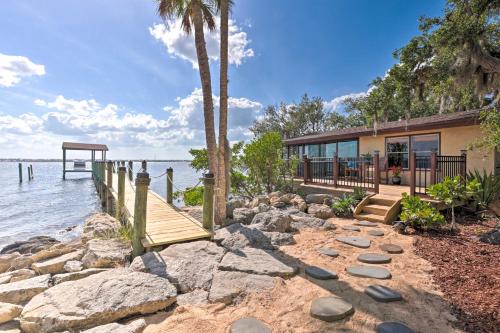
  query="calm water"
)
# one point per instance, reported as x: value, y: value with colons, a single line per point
x: 47, y: 205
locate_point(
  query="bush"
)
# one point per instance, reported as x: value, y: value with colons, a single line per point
x: 359, y: 193
x: 420, y: 214
x: 490, y: 187
x: 126, y: 231
x: 344, y: 206
x: 193, y: 196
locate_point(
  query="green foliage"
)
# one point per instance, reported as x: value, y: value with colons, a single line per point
x: 344, y: 206
x: 490, y: 126
x: 126, y: 231
x: 359, y: 193
x: 489, y: 187
x: 420, y: 214
x: 193, y: 196
x: 200, y: 159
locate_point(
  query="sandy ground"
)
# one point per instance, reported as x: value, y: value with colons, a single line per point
x: 286, y: 307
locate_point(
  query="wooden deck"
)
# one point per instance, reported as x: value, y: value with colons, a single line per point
x: 165, y: 224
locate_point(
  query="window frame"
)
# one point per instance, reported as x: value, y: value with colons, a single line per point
x: 410, y: 148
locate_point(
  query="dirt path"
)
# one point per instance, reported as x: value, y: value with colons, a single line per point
x: 286, y: 307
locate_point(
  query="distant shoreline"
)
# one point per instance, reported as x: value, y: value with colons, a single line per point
x: 70, y: 160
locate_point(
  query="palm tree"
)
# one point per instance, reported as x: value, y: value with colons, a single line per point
x: 197, y: 13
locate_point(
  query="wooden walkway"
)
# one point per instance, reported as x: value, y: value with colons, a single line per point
x: 165, y: 224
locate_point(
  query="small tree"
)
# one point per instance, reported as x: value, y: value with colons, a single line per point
x: 453, y: 192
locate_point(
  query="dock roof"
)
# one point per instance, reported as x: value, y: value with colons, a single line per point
x: 84, y: 146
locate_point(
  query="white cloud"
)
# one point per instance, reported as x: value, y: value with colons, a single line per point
x: 182, y: 46
x: 336, y: 104
x: 13, y: 68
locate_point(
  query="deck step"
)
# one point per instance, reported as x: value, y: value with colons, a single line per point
x: 382, y: 201
x: 380, y: 210
x: 370, y: 217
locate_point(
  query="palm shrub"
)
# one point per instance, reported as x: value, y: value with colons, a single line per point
x: 490, y: 187
x: 454, y: 192
x: 344, y: 206
x: 359, y: 193
x: 419, y: 213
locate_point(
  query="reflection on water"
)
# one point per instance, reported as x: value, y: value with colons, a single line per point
x: 48, y: 205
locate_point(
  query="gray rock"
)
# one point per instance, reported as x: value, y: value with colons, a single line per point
x: 400, y: 227
x: 96, y: 300
x: 30, y: 246
x: 369, y: 272
x: 9, y: 311
x: 60, y: 278
x: 320, y: 211
x: 22, y: 291
x: 237, y: 236
x: 391, y: 248
x: 375, y: 232
x: 351, y: 228
x: 188, y: 266
x: 393, y: 327
x: 18, y: 275
x: 320, y: 273
x: 272, y: 220
x: 330, y: 308
x: 73, y: 266
x: 107, y: 253
x: 228, y: 285
x: 261, y: 208
x: 355, y: 241
x: 298, y: 202
x: 56, y: 265
x: 492, y: 237
x: 243, y: 215
x: 259, y: 199
x: 256, y: 261
x: 6, y: 260
x: 136, y: 326
x: 328, y: 252
x: 10, y: 327
x: 374, y: 258
x: 366, y: 223
x: 249, y: 325
x: 383, y: 294
x: 306, y: 221
x: 24, y: 261
x: 100, y: 225
x: 56, y: 250
x: 321, y: 199
x: 195, y: 297
x: 279, y: 238
x: 233, y: 203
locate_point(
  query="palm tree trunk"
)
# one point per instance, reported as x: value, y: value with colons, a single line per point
x: 206, y: 87
x: 220, y: 197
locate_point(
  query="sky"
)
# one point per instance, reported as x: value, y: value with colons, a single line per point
x: 113, y: 72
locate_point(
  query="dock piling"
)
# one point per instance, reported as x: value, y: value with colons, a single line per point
x: 121, y: 192
x: 142, y: 181
x: 102, y: 183
x: 109, y: 184
x: 31, y: 171
x: 170, y: 180
x: 144, y: 166
x: 20, y: 166
x: 208, y: 201
x: 130, y: 170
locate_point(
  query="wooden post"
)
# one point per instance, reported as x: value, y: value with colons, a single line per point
x: 103, y: 183
x: 170, y: 181
x: 376, y: 170
x: 130, y: 170
x: 20, y: 167
x: 109, y: 192
x: 335, y: 169
x: 31, y: 171
x: 413, y: 172
x: 144, y: 165
x: 142, y: 181
x: 432, y: 177
x: 463, y: 165
x: 28, y: 170
x: 64, y: 163
x: 121, y: 192
x: 208, y: 201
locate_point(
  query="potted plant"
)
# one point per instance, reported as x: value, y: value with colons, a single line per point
x: 396, y: 174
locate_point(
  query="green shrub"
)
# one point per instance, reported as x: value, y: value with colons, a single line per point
x: 359, y: 193
x: 490, y: 187
x: 420, y: 214
x: 126, y: 231
x: 193, y: 196
x: 344, y: 206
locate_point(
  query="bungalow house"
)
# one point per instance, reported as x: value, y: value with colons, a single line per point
x: 425, y: 150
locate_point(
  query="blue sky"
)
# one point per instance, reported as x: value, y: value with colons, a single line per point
x: 113, y: 72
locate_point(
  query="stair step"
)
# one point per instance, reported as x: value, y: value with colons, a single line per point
x: 370, y: 217
x: 376, y: 209
x: 382, y: 201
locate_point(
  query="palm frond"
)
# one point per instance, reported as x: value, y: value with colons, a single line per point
x: 208, y: 9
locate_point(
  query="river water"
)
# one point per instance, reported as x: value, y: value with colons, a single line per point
x: 47, y: 205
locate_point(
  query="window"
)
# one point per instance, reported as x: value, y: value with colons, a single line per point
x: 425, y: 144
x: 313, y: 151
x: 397, y: 151
x: 331, y: 150
x: 348, y: 148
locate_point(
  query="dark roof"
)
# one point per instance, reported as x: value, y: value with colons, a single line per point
x: 456, y: 119
x: 84, y: 146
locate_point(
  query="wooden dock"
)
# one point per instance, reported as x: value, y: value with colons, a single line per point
x: 165, y: 223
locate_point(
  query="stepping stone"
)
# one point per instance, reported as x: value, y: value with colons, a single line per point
x: 382, y: 293
x: 369, y: 272
x: 366, y: 223
x: 351, y: 228
x: 391, y: 248
x: 374, y: 258
x: 328, y: 252
x: 393, y: 327
x: 330, y: 308
x: 249, y: 325
x: 375, y: 232
x: 355, y: 241
x: 320, y: 273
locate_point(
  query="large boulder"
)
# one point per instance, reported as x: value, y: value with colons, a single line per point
x: 321, y: 199
x: 107, y: 253
x: 7, y: 259
x: 22, y: 291
x: 21, y: 262
x: 299, y: 202
x: 56, y: 265
x: 279, y: 238
x: 243, y: 215
x: 60, y: 278
x: 228, y: 285
x: 273, y: 220
x: 17, y: 275
x: 56, y: 250
x: 256, y: 261
x: 320, y: 211
x: 306, y: 221
x: 195, y: 297
x: 100, y: 225
x: 259, y: 199
x: 237, y: 236
x: 491, y: 237
x: 9, y: 311
x: 96, y: 300
x: 30, y: 246
x: 136, y: 326
x: 188, y: 266
x: 233, y: 203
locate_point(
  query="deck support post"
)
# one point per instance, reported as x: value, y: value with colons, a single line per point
x: 20, y: 167
x: 121, y: 192
x: 130, y: 170
x: 170, y: 181
x: 307, y: 169
x: 208, y: 201
x: 142, y: 181
x: 144, y: 166
x: 432, y: 177
x: 64, y: 163
x: 103, y: 183
x: 109, y: 183
x: 413, y: 172
x: 335, y: 170
x: 376, y: 170
x: 31, y: 171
